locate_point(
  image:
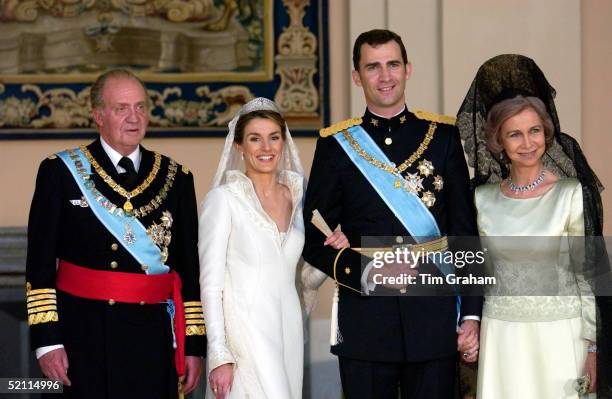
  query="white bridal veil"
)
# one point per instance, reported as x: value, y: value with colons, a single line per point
x: 231, y: 158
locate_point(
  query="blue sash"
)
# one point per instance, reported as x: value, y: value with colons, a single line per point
x: 126, y: 229
x: 406, y: 206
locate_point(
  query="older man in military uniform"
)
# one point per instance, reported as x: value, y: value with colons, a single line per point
x: 112, y: 234
x: 396, y: 173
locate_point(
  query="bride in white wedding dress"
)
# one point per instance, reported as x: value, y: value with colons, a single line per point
x: 251, y: 234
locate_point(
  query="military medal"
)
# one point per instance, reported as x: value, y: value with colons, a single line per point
x: 425, y: 167
x: 129, y: 237
x: 438, y: 183
x: 414, y: 183
x: 428, y: 199
x: 128, y: 207
x: 161, y: 234
x: 83, y: 203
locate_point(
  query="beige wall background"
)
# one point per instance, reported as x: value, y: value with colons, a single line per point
x: 597, y: 94
x: 446, y: 41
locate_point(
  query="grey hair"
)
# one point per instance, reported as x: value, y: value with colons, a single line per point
x: 97, y: 88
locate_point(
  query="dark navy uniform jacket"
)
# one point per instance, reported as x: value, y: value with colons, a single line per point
x: 114, y: 350
x: 389, y: 329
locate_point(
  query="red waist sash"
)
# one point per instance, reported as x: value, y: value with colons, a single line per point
x: 128, y: 288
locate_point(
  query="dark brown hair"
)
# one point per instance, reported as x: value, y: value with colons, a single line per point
x: 259, y: 114
x: 97, y: 88
x: 506, y: 109
x: 376, y: 37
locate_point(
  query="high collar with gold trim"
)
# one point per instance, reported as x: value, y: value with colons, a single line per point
x: 372, y: 121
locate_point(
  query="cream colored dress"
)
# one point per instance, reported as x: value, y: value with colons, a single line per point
x: 247, y: 279
x: 533, y: 347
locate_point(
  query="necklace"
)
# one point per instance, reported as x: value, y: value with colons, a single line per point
x: 528, y: 187
x: 161, y: 196
x: 391, y: 168
x: 127, y: 206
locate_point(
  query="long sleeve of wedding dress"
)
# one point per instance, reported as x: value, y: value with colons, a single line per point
x: 214, y: 231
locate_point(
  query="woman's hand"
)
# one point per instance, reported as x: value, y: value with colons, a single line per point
x: 590, y: 369
x: 468, y: 340
x: 337, y: 240
x: 220, y: 380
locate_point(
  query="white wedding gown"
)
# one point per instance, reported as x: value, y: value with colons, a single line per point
x: 247, y: 279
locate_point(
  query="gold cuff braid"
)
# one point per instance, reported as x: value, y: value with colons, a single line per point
x: 195, y: 330
x: 39, y: 318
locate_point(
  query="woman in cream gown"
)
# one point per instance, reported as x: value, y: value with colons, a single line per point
x: 538, y: 329
x: 533, y: 346
x: 248, y: 261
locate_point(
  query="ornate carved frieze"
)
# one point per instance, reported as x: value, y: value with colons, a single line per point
x: 296, y: 63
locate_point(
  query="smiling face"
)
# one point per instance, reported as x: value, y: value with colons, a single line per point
x: 382, y: 75
x: 523, y: 139
x: 123, y: 116
x: 262, y: 145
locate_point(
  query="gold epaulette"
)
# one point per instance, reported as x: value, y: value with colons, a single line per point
x: 338, y: 127
x: 52, y: 156
x: 428, y: 116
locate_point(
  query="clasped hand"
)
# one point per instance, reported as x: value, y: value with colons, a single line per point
x: 468, y: 340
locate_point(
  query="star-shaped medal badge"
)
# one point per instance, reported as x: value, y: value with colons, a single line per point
x: 428, y: 198
x: 128, y: 236
x: 438, y: 183
x: 157, y: 233
x: 167, y: 219
x: 413, y: 183
x: 425, y: 167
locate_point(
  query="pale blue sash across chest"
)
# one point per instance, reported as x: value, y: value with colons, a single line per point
x: 140, y: 245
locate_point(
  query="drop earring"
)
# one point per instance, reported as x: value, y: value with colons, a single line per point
x: 242, y: 156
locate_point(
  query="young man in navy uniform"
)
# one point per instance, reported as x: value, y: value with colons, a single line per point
x: 392, y: 172
x: 112, y: 234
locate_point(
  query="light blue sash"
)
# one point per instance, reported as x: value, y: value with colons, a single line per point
x: 405, y: 205
x: 126, y: 229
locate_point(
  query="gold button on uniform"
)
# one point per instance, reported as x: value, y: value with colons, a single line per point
x: 388, y: 141
x: 111, y: 302
x: 114, y: 246
x: 144, y: 268
x: 399, y: 239
x: 347, y: 270
x: 114, y: 265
